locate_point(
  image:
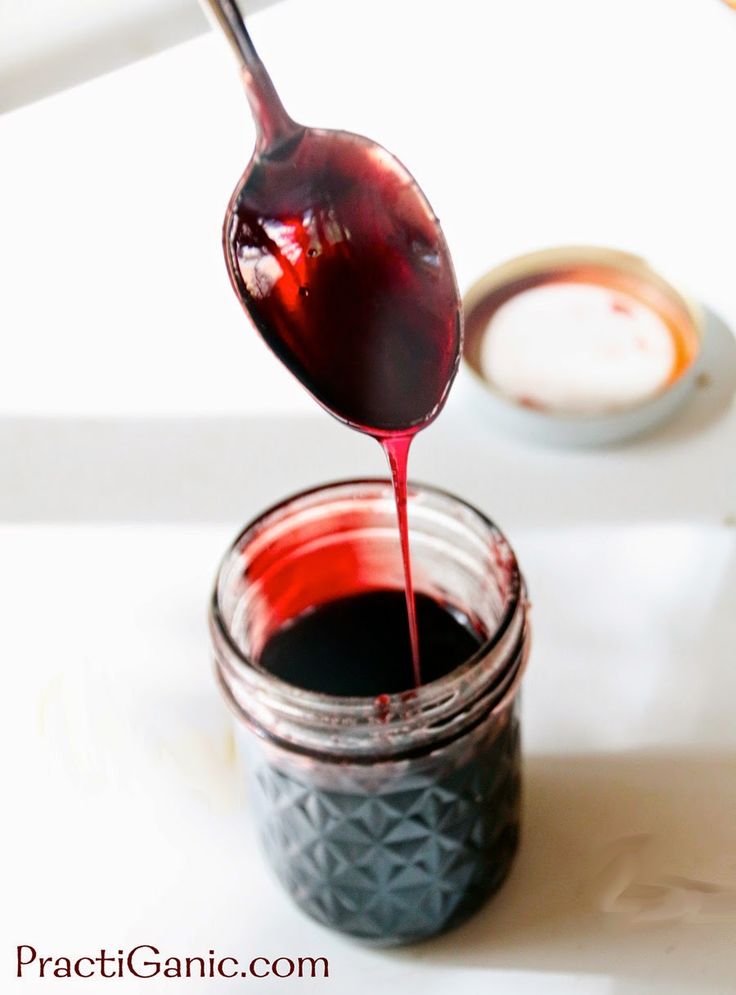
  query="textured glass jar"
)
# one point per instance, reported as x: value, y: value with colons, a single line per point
x: 391, y: 818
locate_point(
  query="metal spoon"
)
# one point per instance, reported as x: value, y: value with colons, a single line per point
x: 339, y: 260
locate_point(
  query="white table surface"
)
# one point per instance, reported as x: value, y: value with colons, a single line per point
x: 142, y: 421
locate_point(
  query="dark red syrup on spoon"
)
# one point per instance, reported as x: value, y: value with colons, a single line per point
x: 339, y: 260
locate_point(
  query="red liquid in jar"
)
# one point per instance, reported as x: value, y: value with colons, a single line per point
x: 358, y: 645
x: 346, y: 276
x: 408, y: 846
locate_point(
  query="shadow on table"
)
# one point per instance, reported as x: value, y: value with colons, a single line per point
x: 715, y: 385
x: 624, y: 860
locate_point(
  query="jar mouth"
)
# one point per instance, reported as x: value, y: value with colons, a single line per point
x: 362, y: 708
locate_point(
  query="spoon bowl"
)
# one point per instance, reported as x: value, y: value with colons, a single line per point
x: 337, y: 257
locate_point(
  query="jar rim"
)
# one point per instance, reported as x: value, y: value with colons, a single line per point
x: 354, y: 707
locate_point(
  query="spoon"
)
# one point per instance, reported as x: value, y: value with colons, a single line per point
x: 338, y: 258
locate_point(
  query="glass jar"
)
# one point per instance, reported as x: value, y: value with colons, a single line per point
x: 392, y: 818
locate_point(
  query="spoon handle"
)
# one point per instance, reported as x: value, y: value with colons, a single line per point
x: 273, y: 124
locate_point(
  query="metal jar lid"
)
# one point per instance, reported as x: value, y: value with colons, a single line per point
x: 626, y: 276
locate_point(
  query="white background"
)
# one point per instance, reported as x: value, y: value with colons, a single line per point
x: 142, y: 422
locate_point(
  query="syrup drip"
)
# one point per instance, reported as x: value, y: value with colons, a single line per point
x: 397, y: 451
